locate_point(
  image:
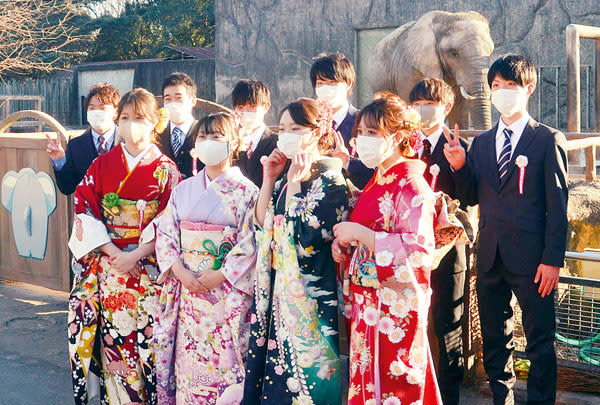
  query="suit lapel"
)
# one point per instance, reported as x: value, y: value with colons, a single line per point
x: 491, y: 161
x: 91, y: 143
x: 438, y: 152
x: 252, y: 164
x: 526, y: 138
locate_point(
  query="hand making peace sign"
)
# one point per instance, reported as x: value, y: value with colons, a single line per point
x: 55, y: 149
x: 454, y: 152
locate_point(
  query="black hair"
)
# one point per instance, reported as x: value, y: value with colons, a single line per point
x: 513, y: 67
x: 177, y: 79
x: 252, y: 92
x: 333, y: 66
x: 431, y: 89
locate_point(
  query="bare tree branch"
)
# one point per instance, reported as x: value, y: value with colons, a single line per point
x: 38, y: 35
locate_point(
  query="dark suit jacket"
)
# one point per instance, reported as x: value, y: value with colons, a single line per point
x: 81, y: 152
x: 252, y: 168
x: 445, y: 181
x: 183, y: 160
x: 358, y: 173
x: 526, y: 229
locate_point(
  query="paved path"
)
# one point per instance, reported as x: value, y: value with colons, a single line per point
x: 34, y: 366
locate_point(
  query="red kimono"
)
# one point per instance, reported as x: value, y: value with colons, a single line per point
x: 111, y: 314
x: 387, y: 291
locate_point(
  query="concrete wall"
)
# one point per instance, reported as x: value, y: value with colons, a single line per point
x: 274, y: 40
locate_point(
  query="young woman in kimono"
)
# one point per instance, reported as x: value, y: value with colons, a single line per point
x: 392, y: 229
x: 206, y: 253
x: 294, y: 352
x: 114, y: 298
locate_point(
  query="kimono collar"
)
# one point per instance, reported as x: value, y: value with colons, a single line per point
x: 410, y: 167
x: 327, y: 163
x: 232, y: 173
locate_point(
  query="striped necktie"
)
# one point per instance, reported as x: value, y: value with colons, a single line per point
x: 176, y: 136
x: 102, y: 147
x: 505, y: 154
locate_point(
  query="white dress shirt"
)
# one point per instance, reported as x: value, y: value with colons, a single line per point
x: 185, y: 128
x: 253, y: 138
x: 339, y: 116
x: 516, y: 127
x: 108, y: 137
x: 433, y: 140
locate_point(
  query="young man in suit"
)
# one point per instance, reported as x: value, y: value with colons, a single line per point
x: 176, y: 141
x: 252, y: 100
x: 517, y: 173
x: 71, y: 165
x: 332, y: 77
x: 433, y: 99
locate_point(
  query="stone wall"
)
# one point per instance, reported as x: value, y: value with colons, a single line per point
x: 275, y: 40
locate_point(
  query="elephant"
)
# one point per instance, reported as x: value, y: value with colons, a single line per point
x: 455, y: 47
x: 30, y: 197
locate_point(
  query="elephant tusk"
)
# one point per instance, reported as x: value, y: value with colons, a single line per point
x: 465, y: 94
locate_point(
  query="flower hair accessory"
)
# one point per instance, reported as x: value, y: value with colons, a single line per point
x: 413, y: 125
x: 325, y: 120
x: 237, y: 116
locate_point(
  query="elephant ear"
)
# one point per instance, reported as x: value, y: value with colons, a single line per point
x: 421, y: 50
x: 8, y: 186
x: 49, y: 190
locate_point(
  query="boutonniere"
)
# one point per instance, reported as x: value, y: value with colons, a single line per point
x: 194, y: 155
x: 521, y: 161
x: 434, y: 170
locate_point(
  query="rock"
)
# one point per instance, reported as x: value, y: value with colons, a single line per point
x: 584, y: 224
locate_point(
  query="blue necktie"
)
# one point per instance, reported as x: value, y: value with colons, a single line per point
x: 176, y: 136
x: 505, y: 154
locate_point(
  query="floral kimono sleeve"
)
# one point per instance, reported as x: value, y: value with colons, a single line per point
x: 168, y: 247
x: 89, y: 231
x: 239, y: 264
x: 402, y: 256
x: 314, y: 213
x: 171, y: 176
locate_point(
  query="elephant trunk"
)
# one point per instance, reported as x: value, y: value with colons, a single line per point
x: 479, y: 103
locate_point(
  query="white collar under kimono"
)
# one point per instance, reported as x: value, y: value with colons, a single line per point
x: 132, y: 161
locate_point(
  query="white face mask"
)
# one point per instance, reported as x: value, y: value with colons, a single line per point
x: 134, y: 131
x: 372, y: 151
x: 509, y: 101
x: 251, y: 119
x: 333, y: 94
x: 289, y: 143
x: 178, y: 112
x: 430, y: 115
x: 101, y: 120
x: 211, y: 152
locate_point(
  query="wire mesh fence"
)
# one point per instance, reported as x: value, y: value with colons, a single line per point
x: 577, y: 304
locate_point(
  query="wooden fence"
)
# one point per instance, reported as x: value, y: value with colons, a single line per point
x: 57, y: 93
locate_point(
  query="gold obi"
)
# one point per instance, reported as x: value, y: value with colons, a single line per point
x: 123, y: 216
x: 204, y: 246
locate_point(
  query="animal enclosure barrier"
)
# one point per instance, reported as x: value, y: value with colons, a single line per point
x: 577, y: 306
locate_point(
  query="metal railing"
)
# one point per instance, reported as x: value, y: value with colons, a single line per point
x: 577, y: 305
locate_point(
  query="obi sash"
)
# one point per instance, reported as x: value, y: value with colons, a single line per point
x: 204, y: 246
x: 125, y: 219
